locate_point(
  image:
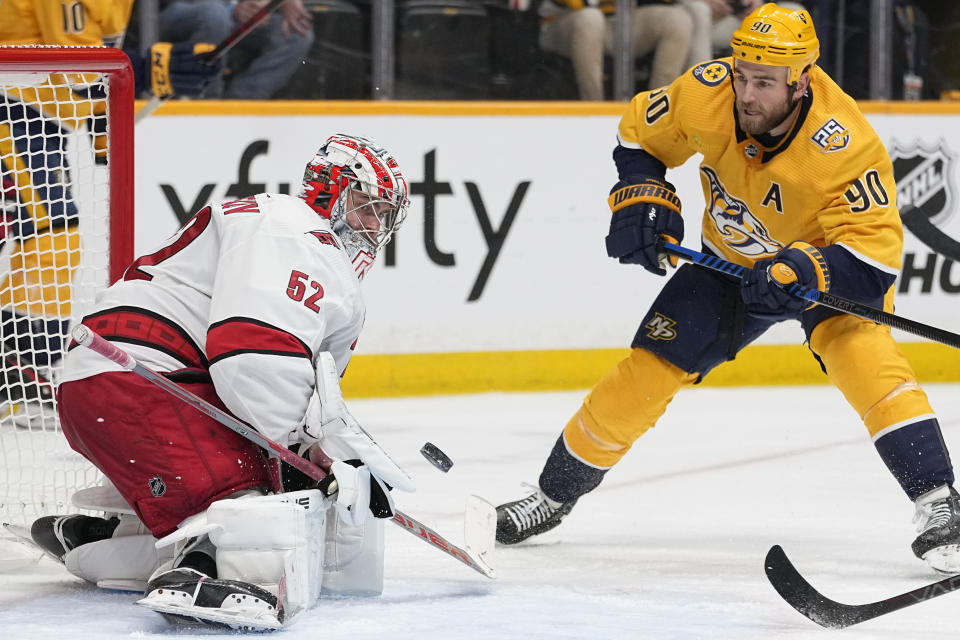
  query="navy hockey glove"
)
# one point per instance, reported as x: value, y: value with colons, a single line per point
x: 644, y: 209
x: 762, y: 286
x: 181, y: 69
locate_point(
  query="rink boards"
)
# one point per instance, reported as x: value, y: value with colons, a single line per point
x: 499, y: 279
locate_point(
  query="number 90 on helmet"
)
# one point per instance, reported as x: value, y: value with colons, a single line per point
x: 346, y: 163
x: 777, y: 37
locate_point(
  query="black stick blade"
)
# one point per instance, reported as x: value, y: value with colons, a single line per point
x: 798, y: 593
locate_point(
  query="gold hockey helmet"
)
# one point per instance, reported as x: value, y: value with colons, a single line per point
x: 778, y: 37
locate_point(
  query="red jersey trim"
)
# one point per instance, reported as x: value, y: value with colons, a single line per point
x: 234, y: 336
x: 134, y: 325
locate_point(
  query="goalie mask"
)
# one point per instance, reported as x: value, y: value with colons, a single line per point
x: 358, y: 186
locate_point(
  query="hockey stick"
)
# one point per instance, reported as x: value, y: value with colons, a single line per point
x: 822, y: 297
x: 800, y: 595
x: 218, y: 52
x: 478, y: 528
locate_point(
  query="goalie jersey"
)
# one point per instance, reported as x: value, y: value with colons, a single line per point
x: 828, y: 181
x: 250, y: 290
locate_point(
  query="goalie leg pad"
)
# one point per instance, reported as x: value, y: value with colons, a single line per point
x: 264, y: 545
x: 353, y: 558
x: 275, y: 542
x: 123, y: 562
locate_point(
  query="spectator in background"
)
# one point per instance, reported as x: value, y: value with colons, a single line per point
x: 584, y: 30
x: 263, y: 61
x: 714, y: 22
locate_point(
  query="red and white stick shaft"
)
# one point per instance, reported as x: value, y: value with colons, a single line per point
x: 86, y: 337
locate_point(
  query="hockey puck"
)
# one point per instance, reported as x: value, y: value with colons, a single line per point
x: 436, y: 457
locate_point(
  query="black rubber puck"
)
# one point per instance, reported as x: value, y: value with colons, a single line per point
x: 436, y: 457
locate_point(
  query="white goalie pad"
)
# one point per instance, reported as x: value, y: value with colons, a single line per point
x: 123, y: 562
x: 103, y: 497
x: 353, y: 558
x: 273, y: 542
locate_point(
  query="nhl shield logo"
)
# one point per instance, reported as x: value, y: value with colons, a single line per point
x: 925, y: 178
x: 926, y: 192
x: 157, y: 486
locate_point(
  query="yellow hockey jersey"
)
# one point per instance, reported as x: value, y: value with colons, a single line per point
x: 63, y: 22
x: 828, y: 181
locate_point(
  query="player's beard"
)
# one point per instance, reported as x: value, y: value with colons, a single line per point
x: 765, y: 120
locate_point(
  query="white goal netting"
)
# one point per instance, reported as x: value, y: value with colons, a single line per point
x: 56, y: 253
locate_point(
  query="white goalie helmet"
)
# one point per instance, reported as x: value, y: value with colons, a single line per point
x: 359, y: 187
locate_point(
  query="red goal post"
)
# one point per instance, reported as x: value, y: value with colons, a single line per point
x: 114, y: 64
x: 67, y: 163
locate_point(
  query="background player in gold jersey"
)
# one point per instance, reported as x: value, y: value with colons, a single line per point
x: 792, y: 174
x: 40, y: 221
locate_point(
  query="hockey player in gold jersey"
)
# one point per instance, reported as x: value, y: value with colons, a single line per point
x: 792, y: 174
x: 40, y: 216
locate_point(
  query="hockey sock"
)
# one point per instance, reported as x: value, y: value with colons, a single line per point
x: 916, y: 456
x: 564, y: 478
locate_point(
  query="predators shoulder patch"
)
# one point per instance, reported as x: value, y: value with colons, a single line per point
x: 711, y: 73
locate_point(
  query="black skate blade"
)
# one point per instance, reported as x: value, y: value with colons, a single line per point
x: 212, y: 618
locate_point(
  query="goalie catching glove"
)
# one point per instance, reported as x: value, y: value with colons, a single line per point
x: 363, y: 470
x: 762, y: 287
x: 644, y: 209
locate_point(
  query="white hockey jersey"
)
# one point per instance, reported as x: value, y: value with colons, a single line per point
x: 251, y: 290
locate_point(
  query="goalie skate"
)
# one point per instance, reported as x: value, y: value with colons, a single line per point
x: 186, y: 596
x: 57, y: 535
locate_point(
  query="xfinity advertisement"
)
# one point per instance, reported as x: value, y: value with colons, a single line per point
x: 503, y: 247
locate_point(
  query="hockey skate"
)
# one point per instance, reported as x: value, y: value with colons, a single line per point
x: 530, y: 516
x: 57, y: 535
x: 938, y: 521
x: 187, y: 596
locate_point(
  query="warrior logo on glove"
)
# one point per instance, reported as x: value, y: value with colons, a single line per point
x: 644, y: 209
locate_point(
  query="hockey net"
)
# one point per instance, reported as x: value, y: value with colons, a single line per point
x: 66, y: 164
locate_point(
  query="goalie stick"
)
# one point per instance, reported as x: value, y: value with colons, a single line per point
x: 480, y: 520
x: 800, y: 595
x: 821, y: 297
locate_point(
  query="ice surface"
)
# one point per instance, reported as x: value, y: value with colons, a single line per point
x: 670, y: 546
